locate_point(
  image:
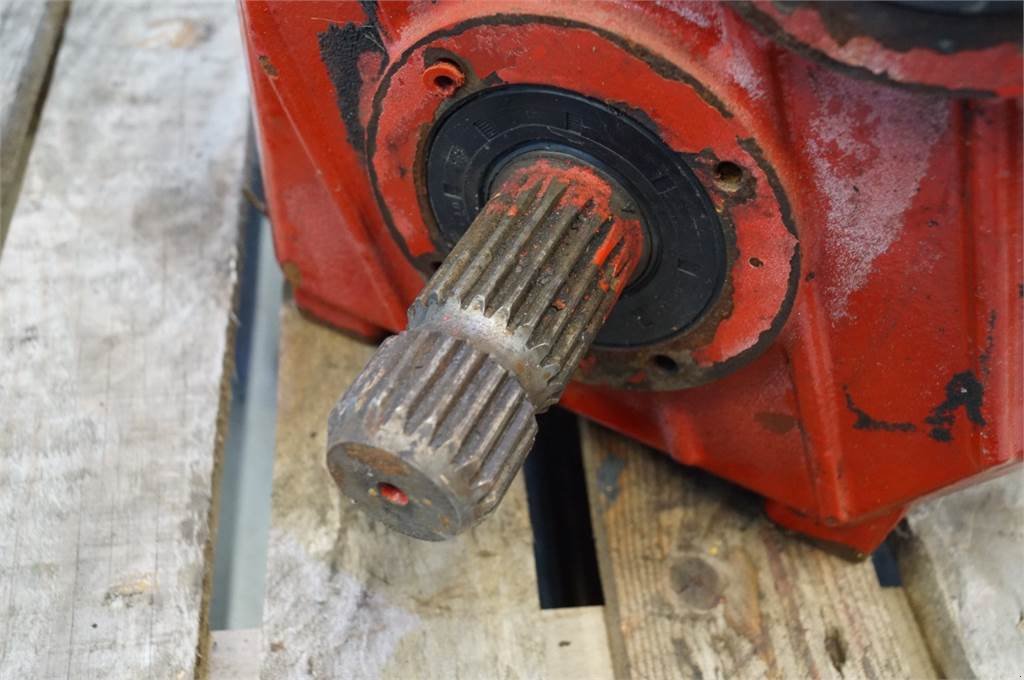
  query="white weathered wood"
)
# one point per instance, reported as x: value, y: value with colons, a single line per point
x: 576, y: 644
x: 698, y: 583
x: 28, y: 38
x: 116, y: 288
x: 347, y: 598
x: 962, y: 563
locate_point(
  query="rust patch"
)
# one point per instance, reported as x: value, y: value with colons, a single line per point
x: 383, y: 462
x: 267, y: 66
x: 985, y: 358
x: 292, y: 274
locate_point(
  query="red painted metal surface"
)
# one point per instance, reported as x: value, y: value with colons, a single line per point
x: 866, y: 351
x: 831, y: 33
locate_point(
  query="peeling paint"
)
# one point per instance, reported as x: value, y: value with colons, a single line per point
x: 608, y: 477
x: 694, y: 13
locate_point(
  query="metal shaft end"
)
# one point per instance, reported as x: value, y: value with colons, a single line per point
x: 432, y: 432
x: 430, y: 436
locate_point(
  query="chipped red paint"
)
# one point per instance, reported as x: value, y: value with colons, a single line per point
x: 588, y: 190
x: 875, y: 242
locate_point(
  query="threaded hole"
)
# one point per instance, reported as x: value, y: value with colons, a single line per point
x: 728, y: 176
x: 392, y: 494
x: 444, y: 77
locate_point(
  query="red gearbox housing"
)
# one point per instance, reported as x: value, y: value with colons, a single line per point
x: 830, y: 313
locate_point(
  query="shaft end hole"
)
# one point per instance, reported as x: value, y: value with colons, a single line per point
x: 392, y: 494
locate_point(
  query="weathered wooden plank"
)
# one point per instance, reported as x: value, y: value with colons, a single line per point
x: 349, y: 598
x: 116, y: 288
x: 235, y: 654
x: 698, y: 584
x: 962, y: 562
x: 576, y: 644
x: 29, y: 32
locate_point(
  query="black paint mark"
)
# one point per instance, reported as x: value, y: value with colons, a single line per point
x: 963, y: 389
x: 866, y: 422
x: 563, y: 537
x: 340, y: 50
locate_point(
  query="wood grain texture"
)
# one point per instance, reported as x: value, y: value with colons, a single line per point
x: 116, y: 289
x: 235, y: 654
x: 699, y: 584
x: 29, y: 31
x: 962, y: 562
x: 349, y: 598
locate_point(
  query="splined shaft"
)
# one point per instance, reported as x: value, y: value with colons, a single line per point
x: 431, y: 434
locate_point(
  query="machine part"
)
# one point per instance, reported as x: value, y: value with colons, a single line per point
x: 709, y: 197
x: 686, y: 264
x: 432, y: 432
x: 864, y: 348
x: 967, y: 48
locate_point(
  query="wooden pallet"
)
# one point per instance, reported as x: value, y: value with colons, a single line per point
x: 116, y: 286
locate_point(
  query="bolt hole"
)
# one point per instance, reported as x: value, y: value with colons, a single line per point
x: 392, y: 494
x: 728, y: 176
x: 665, y: 364
x: 756, y: 262
x: 444, y: 77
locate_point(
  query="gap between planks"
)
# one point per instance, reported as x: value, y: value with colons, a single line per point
x: 29, y: 36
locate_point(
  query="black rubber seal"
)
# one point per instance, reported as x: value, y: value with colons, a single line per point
x: 687, y: 258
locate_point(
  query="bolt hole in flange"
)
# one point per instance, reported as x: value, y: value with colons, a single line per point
x: 444, y: 77
x: 728, y: 176
x: 665, y: 364
x: 392, y: 494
